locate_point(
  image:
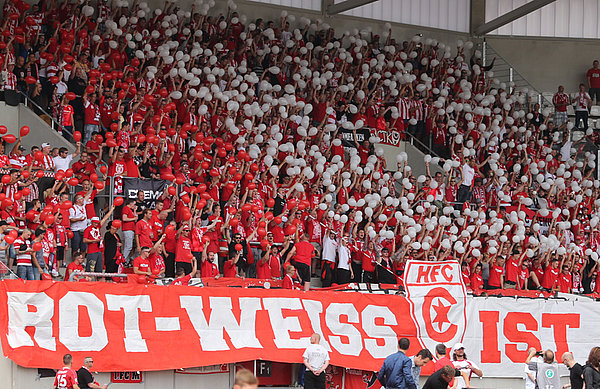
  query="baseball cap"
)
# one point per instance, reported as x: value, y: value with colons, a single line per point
x: 95, y: 219
x: 45, y: 144
x: 458, y: 346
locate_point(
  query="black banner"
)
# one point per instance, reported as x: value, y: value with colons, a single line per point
x: 348, y: 136
x: 152, y: 189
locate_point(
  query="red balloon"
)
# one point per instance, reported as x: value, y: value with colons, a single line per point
x: 37, y: 246
x: 111, y: 143
x: 26, y: 191
x: 30, y: 80
x: 69, y: 173
x: 239, y: 247
x: 234, y: 222
x: 99, y: 185
x: 172, y: 190
x: 185, y: 198
x: 118, y: 201
x: 66, y: 204
x: 169, y: 229
x: 10, y: 138
x: 103, y: 169
x: 6, y: 178
x: 93, y: 177
x: 38, y: 155
x: 270, y: 203
x: 59, y: 175
x: 3, y: 130
x: 261, y: 232
x: 277, y: 219
x: 77, y: 136
x: 73, y: 181
x: 70, y: 234
x: 291, y: 229
x: 39, y: 174
x: 49, y: 220
x: 54, y: 80
x: 70, y: 96
x: 9, y: 239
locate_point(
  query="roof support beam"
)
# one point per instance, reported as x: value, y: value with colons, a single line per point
x: 346, y: 6
x: 511, y: 16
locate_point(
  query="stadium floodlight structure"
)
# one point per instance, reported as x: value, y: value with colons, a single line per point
x: 346, y: 6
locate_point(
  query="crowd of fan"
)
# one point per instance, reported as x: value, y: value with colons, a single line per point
x: 254, y: 125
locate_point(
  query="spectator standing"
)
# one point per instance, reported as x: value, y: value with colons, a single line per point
x: 85, y: 378
x: 422, y: 358
x: 396, y: 371
x: 591, y: 371
x: 575, y: 371
x: 129, y: 219
x: 143, y: 230
x: 79, y: 222
x: 344, y: 272
x: 561, y: 101
x: 316, y: 360
x: 582, y: 103
x: 66, y: 378
x: 112, y: 248
x: 91, y: 116
x: 95, y: 244
x: 593, y: 77
x: 27, y: 264
x: 302, y: 252
x: 546, y: 371
x: 63, y: 160
x: 530, y: 374
x: 464, y: 366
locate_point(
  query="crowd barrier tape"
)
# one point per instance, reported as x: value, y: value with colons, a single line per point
x: 130, y: 327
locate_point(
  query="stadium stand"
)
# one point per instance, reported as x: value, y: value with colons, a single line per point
x: 265, y: 134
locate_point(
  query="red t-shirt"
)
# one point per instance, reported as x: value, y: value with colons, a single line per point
x: 304, y: 252
x: 128, y: 226
x: 144, y: 233
x: 550, y: 277
x: 93, y: 233
x: 143, y: 264
x: 184, y: 250
x: 594, y: 76
x: 523, y: 276
x: 476, y: 281
x: 182, y: 280
x: 496, y: 273
x: 565, y: 283
x: 263, y: 270
x: 209, y: 269
x: 512, y: 269
x: 288, y: 282
x: 71, y: 268
x: 229, y: 269
x: 65, y: 378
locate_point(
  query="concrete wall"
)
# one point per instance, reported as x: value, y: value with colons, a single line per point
x: 547, y: 63
x: 16, y: 117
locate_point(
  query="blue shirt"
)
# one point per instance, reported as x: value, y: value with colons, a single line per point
x: 396, y: 372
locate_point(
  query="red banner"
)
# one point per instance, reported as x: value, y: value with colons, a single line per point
x: 137, y: 327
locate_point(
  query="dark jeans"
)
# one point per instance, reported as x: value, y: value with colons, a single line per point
x: 342, y: 276
x: 581, y: 115
x: 77, y: 241
x: 357, y: 270
x: 187, y: 267
x: 170, y: 265
x: 312, y: 381
x: 327, y: 269
x: 368, y: 277
x: 595, y: 94
x: 463, y: 194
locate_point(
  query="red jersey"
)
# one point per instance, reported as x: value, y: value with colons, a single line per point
x: 143, y: 264
x: 496, y: 273
x: 229, y: 269
x: 550, y: 277
x: 209, y: 269
x: 304, y: 252
x: 73, y: 266
x: 476, y: 281
x: 288, y: 282
x: 182, y: 280
x: 144, y: 233
x: 565, y: 283
x: 512, y: 269
x: 128, y: 226
x: 184, y: 250
x: 65, y: 378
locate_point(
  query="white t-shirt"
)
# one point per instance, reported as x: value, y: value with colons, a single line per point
x: 468, y: 175
x: 344, y: 258
x: 61, y: 163
x: 329, y: 249
x: 582, y: 101
x: 460, y: 364
x: 529, y: 384
x: 316, y: 355
x: 77, y: 212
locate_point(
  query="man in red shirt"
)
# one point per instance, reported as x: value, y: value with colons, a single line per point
x: 66, y: 378
x: 95, y: 244
x: 76, y: 265
x: 208, y: 268
x: 288, y: 280
x: 129, y: 218
x: 551, y: 275
x: 593, y: 77
x: 183, y: 253
x: 141, y: 265
x: 91, y: 118
x: 144, y: 231
x: 302, y: 252
x: 182, y: 277
x: 523, y: 275
x: 512, y: 269
x: 496, y: 274
x: 565, y: 280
